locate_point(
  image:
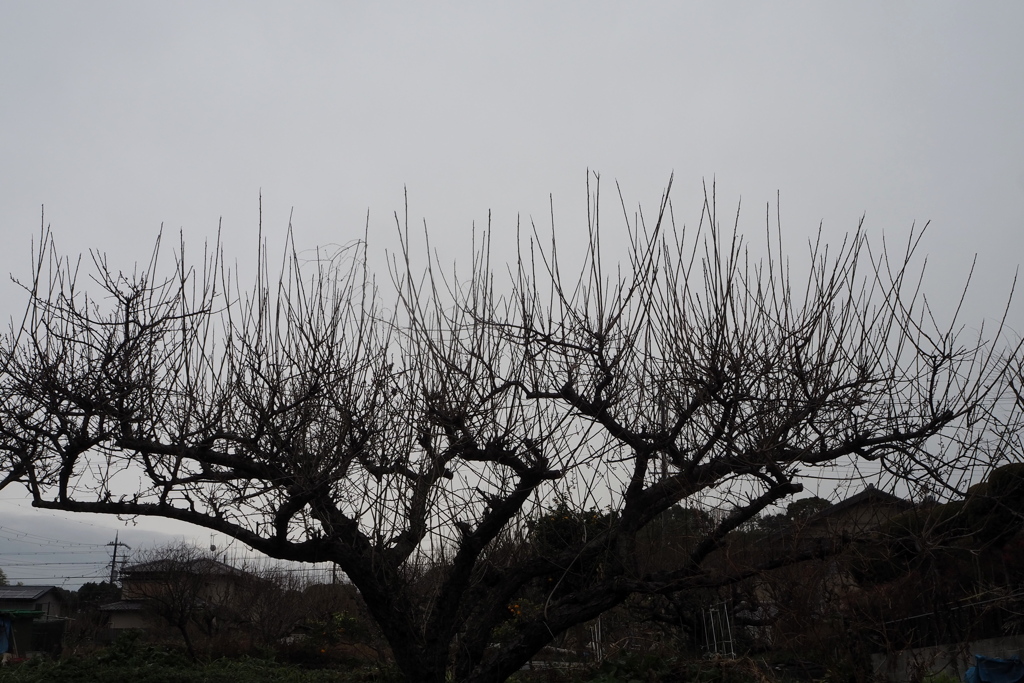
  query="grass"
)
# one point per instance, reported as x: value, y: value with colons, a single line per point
x: 130, y: 661
x: 180, y: 670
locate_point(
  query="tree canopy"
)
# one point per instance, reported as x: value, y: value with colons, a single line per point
x: 424, y: 435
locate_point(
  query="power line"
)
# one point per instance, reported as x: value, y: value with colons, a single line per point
x: 54, y: 580
x: 51, y: 552
x: 49, y: 564
x: 26, y: 536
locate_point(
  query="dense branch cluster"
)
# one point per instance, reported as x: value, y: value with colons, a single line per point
x: 313, y: 422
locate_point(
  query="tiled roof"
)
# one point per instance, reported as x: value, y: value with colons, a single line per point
x: 868, y: 494
x: 23, y: 592
x: 198, y: 566
x: 122, y: 606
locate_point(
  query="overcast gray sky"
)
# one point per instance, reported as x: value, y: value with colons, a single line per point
x: 122, y: 116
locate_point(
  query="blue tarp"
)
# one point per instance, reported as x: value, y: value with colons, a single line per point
x: 5, y: 634
x: 995, y: 670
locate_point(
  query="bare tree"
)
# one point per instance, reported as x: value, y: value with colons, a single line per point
x: 272, y: 601
x: 314, y: 423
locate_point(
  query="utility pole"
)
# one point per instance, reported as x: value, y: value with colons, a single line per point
x: 113, y: 560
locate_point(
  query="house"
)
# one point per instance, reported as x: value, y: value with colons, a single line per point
x: 209, y: 579
x: 197, y: 598
x: 859, y: 514
x: 127, y: 614
x: 178, y: 590
x: 911, y: 589
x: 797, y: 605
x: 46, y: 599
x: 37, y: 616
